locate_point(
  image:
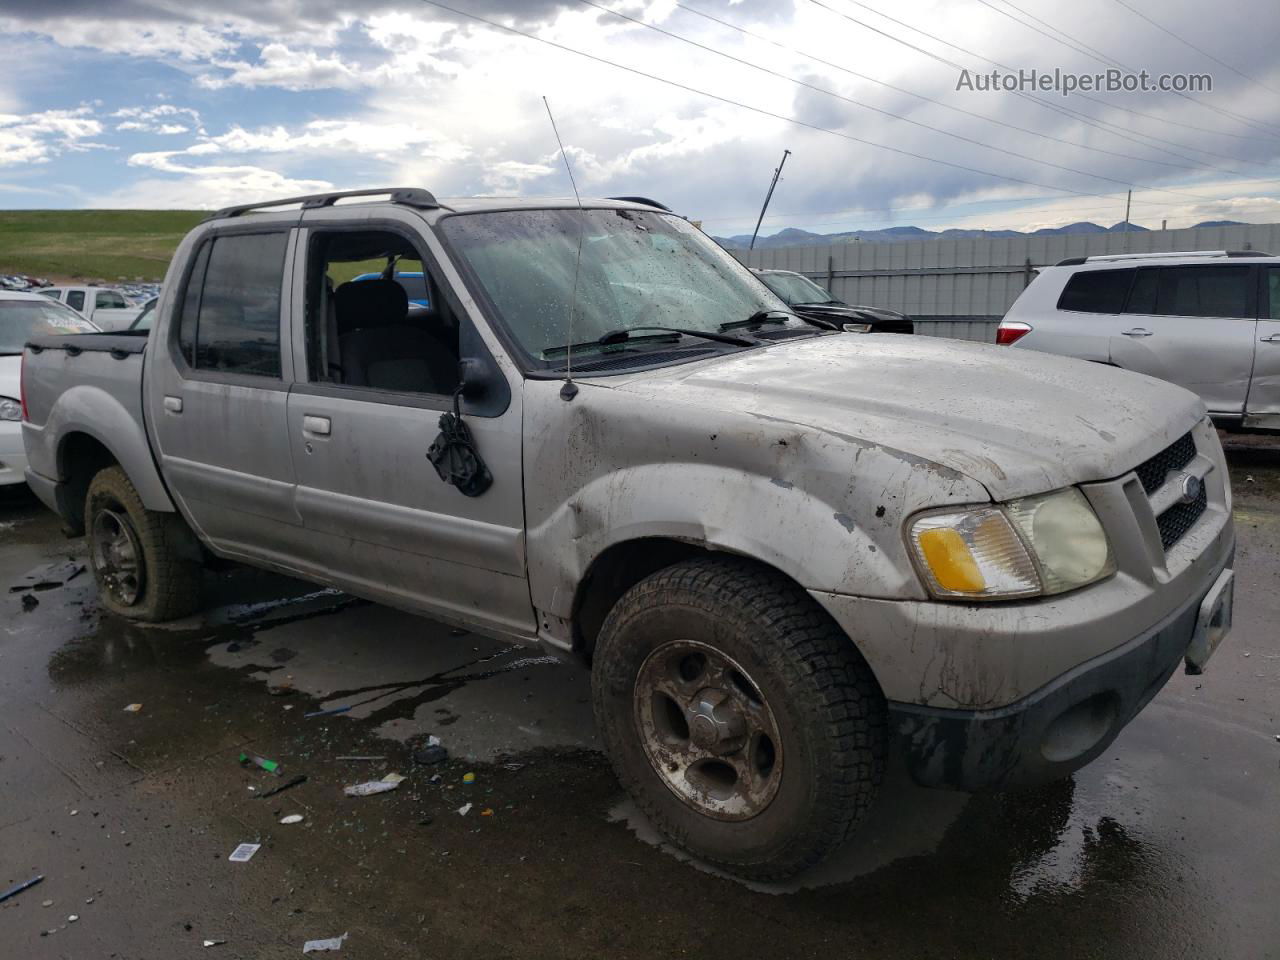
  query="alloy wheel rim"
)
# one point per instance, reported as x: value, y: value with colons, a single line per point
x: 117, y: 556
x: 707, y: 730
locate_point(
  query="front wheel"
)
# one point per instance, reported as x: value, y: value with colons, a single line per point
x: 738, y: 716
x: 136, y: 554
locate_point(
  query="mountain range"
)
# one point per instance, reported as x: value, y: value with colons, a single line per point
x: 793, y: 237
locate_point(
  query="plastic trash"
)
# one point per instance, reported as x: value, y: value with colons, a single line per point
x: 244, y: 853
x: 268, y: 765
x: 325, y: 713
x: 27, y: 885
x: 370, y: 789
x: 464, y: 809
x: 431, y: 754
x: 316, y: 946
x: 396, y: 778
x: 487, y: 812
x: 468, y: 778
x: 213, y: 943
x: 133, y: 708
x: 292, y: 818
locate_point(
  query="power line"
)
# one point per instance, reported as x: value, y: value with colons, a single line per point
x: 760, y: 110
x: 1031, y: 16
x: 1074, y: 43
x: 1005, y: 66
x: 1192, y: 165
x: 1199, y: 50
x: 887, y: 113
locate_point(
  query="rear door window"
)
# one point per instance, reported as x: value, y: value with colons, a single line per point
x: 75, y: 299
x: 1208, y: 291
x: 109, y: 300
x: 230, y: 319
x: 1096, y: 291
x: 1142, y: 297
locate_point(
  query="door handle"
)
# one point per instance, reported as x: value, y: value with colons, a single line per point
x: 1137, y: 332
x: 1274, y: 338
x: 319, y: 426
x: 173, y: 404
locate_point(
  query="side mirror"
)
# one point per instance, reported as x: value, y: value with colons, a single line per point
x: 475, y: 378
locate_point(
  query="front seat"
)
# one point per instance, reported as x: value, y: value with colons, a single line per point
x: 379, y: 348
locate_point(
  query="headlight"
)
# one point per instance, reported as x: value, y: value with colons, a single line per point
x: 10, y: 409
x: 1031, y: 547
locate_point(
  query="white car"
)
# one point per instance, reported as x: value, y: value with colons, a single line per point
x: 1206, y: 320
x: 107, y: 307
x: 22, y: 316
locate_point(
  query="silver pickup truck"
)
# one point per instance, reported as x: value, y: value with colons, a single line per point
x: 786, y: 551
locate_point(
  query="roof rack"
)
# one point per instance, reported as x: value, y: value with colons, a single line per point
x: 1163, y: 255
x: 644, y: 200
x: 409, y: 196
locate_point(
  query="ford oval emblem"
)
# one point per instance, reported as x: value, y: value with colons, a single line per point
x: 1192, y: 488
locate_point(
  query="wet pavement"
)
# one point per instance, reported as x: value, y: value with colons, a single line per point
x: 1168, y: 845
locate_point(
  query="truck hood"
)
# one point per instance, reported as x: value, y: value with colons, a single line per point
x: 1017, y: 421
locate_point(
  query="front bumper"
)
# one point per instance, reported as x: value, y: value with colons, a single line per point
x: 1066, y: 723
x: 13, y: 457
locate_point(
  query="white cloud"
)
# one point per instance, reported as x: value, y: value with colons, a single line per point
x: 287, y: 69
x: 39, y: 137
x: 208, y: 189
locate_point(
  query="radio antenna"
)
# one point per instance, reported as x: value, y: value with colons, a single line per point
x: 570, y: 389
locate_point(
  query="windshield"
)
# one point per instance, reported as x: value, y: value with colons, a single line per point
x: 20, y: 320
x: 794, y: 288
x: 638, y: 269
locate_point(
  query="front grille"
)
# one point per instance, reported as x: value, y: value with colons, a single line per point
x: 1173, y: 457
x: 1178, y: 519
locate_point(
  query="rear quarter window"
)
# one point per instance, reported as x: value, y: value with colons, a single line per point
x: 1096, y: 291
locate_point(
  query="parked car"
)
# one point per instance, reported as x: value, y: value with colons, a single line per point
x: 773, y: 543
x: 107, y: 307
x: 22, y: 316
x: 810, y: 300
x: 1207, y: 320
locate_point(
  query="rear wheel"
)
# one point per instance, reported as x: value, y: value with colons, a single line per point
x: 136, y: 554
x: 738, y: 716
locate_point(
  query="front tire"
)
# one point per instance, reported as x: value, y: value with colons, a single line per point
x: 136, y: 553
x: 738, y: 716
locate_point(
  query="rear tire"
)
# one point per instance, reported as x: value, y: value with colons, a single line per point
x: 137, y: 554
x: 738, y: 716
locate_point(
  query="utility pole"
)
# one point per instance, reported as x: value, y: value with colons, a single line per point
x: 768, y: 196
x: 1128, y: 201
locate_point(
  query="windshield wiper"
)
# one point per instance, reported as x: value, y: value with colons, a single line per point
x: 758, y: 318
x: 625, y: 334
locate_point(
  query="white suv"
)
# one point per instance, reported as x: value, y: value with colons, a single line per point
x: 1207, y: 320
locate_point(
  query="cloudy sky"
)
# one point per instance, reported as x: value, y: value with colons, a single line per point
x: 169, y: 103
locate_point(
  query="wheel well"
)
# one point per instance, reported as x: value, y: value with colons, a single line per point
x: 80, y: 460
x: 617, y: 570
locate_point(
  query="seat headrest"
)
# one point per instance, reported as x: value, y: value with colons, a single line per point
x: 366, y: 304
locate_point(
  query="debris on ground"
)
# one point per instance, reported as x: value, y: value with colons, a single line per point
x: 244, y: 853
x: 268, y: 765
x: 326, y: 713
x: 430, y: 754
x: 47, y: 903
x: 1248, y: 480
x: 464, y: 809
x: 487, y: 812
x: 371, y: 788
x: 29, y: 602
x: 288, y: 784
x: 374, y: 759
x: 14, y: 891
x: 396, y: 778
x: 281, y: 690
x: 292, y: 818
x: 468, y: 778
x: 214, y: 943
x: 316, y: 946
x: 133, y: 708
x: 73, y: 918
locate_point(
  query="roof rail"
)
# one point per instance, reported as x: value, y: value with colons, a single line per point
x: 409, y: 196
x: 645, y: 200
x: 1161, y: 255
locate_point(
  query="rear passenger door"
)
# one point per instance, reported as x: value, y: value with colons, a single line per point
x: 1193, y: 325
x: 217, y: 391
x: 1263, y: 406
